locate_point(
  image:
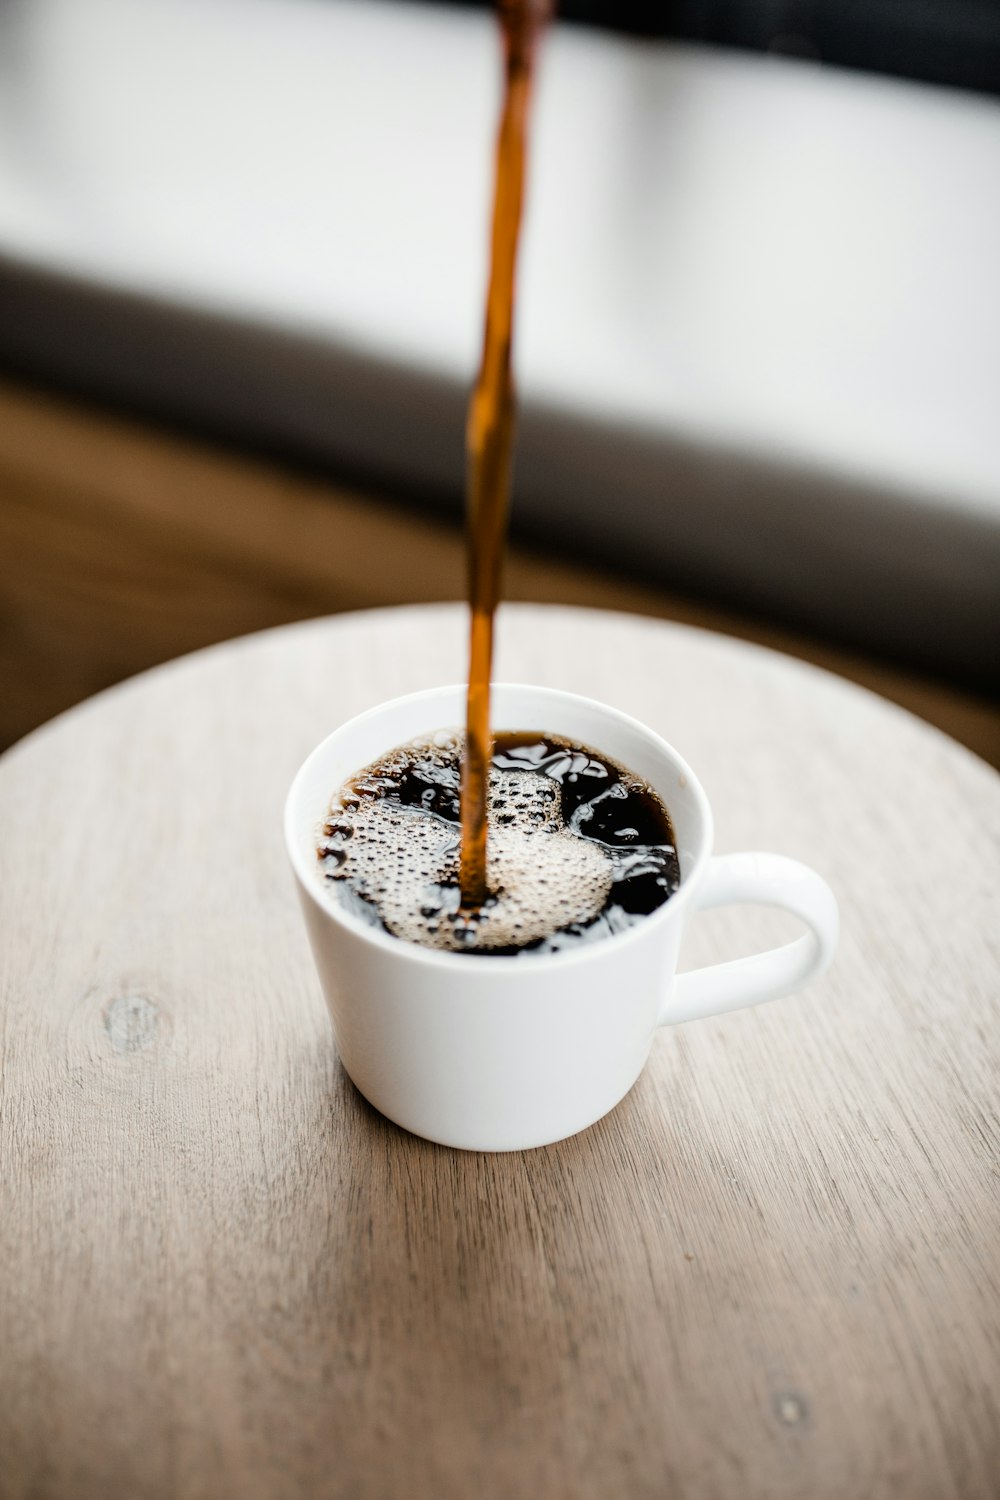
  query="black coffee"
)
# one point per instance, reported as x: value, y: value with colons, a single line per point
x: 579, y: 847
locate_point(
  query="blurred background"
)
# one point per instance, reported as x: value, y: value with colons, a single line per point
x: 242, y: 258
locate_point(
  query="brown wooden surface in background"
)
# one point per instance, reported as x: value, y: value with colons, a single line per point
x: 122, y: 546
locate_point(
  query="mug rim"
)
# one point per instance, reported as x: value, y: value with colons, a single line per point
x: 486, y: 962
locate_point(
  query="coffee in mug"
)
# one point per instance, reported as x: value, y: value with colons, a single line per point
x: 498, y: 1052
x: 579, y: 846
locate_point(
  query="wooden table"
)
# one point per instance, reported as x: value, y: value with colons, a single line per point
x: 772, y: 1271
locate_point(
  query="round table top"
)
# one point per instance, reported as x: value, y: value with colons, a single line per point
x: 771, y: 1271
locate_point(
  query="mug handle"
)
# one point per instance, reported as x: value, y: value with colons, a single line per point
x: 767, y: 880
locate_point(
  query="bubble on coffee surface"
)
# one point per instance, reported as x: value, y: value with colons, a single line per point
x: 559, y: 859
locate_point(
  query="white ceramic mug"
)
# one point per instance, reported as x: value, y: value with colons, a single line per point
x: 499, y: 1054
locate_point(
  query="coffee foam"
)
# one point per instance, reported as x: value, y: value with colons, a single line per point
x: 404, y: 860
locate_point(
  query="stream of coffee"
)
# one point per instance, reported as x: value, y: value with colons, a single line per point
x: 490, y: 431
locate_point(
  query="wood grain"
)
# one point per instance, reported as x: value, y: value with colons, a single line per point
x: 771, y: 1272
x: 122, y: 547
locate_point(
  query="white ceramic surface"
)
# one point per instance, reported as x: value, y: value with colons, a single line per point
x: 506, y: 1053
